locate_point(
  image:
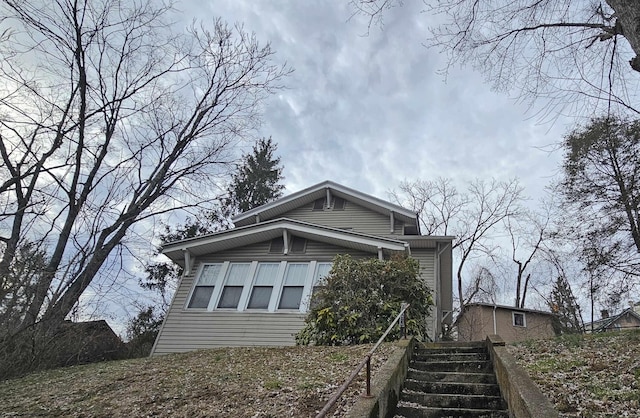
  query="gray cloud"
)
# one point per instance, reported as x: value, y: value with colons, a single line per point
x: 370, y: 111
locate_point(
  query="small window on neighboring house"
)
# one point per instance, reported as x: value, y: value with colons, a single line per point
x: 233, y: 286
x: 339, y: 203
x: 298, y: 245
x: 263, y: 285
x: 519, y: 319
x: 294, y: 279
x: 277, y: 246
x: 204, y: 287
x: 318, y: 204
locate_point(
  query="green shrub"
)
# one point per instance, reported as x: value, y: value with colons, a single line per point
x: 359, y: 299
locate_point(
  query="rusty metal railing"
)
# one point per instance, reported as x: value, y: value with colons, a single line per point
x: 366, y: 361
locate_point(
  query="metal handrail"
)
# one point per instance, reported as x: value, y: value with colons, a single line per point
x: 365, y: 361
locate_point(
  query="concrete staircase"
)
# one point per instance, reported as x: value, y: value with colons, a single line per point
x: 451, y: 380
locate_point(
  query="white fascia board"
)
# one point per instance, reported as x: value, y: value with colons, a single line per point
x: 372, y: 200
x: 291, y: 225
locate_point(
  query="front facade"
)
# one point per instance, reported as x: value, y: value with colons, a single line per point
x: 251, y: 285
x: 477, y: 320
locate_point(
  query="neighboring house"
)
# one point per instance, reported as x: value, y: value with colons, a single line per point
x: 86, y: 342
x: 477, y: 320
x: 627, y: 319
x: 251, y: 285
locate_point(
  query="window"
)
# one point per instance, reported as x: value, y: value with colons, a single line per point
x: 234, y: 284
x: 298, y: 245
x: 263, y: 285
x: 318, y: 204
x: 411, y: 230
x: 319, y: 278
x: 294, y: 279
x: 339, y: 203
x: 291, y: 297
x: 519, y: 319
x: 277, y: 246
x: 204, y: 286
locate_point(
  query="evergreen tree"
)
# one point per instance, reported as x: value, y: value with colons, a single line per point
x: 562, y: 302
x: 257, y: 180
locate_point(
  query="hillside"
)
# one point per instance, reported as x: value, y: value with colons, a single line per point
x: 586, y: 375
x: 239, y: 382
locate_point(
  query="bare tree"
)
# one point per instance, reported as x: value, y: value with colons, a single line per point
x: 563, y: 51
x: 471, y: 216
x: 527, y: 236
x: 109, y: 117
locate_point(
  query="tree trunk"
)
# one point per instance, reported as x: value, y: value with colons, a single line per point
x: 628, y: 14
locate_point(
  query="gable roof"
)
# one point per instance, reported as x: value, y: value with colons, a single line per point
x: 604, y: 323
x: 303, y: 197
x: 510, y: 308
x: 265, y: 231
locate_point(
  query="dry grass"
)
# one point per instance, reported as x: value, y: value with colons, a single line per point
x: 586, y: 375
x: 239, y: 382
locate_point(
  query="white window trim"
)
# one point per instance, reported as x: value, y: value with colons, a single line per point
x: 196, y: 279
x: 524, y: 319
x: 248, y: 285
x: 217, y: 291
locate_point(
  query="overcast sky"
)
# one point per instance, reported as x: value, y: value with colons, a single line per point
x: 369, y: 111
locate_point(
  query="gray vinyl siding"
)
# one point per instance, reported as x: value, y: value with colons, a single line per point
x: 314, y: 251
x: 427, y: 260
x: 353, y: 216
x: 186, y: 330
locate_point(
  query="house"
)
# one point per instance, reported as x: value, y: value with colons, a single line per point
x: 251, y: 285
x: 627, y: 319
x: 85, y: 342
x: 477, y: 320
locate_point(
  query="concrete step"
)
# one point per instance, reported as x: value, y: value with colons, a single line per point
x: 459, y: 388
x: 476, y: 366
x: 452, y: 349
x: 459, y: 356
x: 415, y: 411
x: 438, y: 400
x: 432, y: 376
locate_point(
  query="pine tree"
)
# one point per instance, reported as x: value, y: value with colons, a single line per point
x: 562, y: 302
x: 257, y: 180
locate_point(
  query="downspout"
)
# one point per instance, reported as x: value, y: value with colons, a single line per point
x: 285, y: 239
x: 439, y: 279
x: 495, y: 328
x: 392, y: 220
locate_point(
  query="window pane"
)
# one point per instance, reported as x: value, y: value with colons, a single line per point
x: 291, y: 296
x: 298, y: 245
x: 260, y: 296
x: 322, y: 271
x: 296, y: 274
x: 209, y: 274
x: 230, y: 297
x: 277, y: 245
x: 201, y: 297
x: 237, y: 274
x: 266, y: 274
x: 518, y: 319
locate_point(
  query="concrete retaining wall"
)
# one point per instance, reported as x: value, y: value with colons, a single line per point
x: 522, y: 395
x: 386, y: 386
